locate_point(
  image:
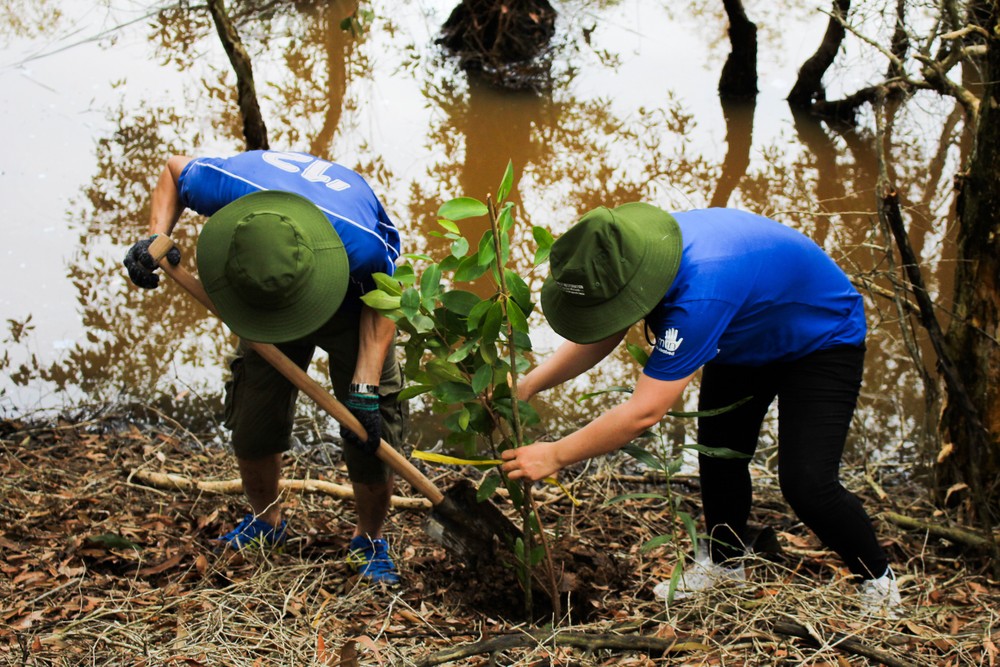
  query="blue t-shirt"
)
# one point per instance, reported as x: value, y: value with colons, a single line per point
x: 372, y: 242
x: 749, y: 291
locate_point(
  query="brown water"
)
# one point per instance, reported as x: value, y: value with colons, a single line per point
x: 97, y: 96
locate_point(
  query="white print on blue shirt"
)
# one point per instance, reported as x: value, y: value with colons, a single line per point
x: 313, y: 173
x: 669, y: 342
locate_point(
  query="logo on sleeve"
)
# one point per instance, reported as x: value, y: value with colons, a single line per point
x: 669, y: 342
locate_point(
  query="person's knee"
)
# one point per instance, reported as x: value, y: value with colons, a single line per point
x: 810, y: 493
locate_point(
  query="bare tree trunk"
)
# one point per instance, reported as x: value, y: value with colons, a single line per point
x: 739, y: 74
x: 254, y: 130
x: 973, y: 335
x: 809, y: 85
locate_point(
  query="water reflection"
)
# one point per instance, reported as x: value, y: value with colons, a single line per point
x: 321, y: 88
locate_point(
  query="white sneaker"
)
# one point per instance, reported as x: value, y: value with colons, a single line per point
x: 700, y: 576
x: 880, y: 596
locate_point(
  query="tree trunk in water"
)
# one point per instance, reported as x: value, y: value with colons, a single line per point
x: 501, y: 40
x: 739, y: 75
x: 254, y: 130
x: 975, y: 330
x: 809, y: 85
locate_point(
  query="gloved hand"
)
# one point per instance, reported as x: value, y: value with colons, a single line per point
x: 365, y: 408
x: 141, y: 266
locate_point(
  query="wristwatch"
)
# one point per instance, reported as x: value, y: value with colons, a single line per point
x: 363, y: 388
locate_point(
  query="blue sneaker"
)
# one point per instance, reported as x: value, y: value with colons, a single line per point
x: 253, y: 532
x: 372, y: 560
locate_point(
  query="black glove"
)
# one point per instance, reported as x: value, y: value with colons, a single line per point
x: 365, y: 408
x: 140, y: 263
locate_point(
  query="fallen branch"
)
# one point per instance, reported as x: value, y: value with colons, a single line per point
x: 839, y: 641
x: 164, y: 480
x: 959, y: 535
x: 588, y: 642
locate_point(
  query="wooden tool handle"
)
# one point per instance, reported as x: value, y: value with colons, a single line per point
x: 159, y: 248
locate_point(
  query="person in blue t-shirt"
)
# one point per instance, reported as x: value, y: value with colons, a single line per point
x: 288, y: 250
x: 764, y: 313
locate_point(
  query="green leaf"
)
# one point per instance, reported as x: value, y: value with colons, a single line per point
x: 490, y: 329
x: 506, y: 219
x: 409, y: 303
x: 454, y: 392
x: 537, y: 554
x: 460, y: 247
x: 418, y: 256
x: 443, y: 371
x: 691, y: 528
x: 469, y: 269
x: 516, y: 317
x: 388, y: 284
x: 113, y: 541
x: 519, y: 290
x: 404, y: 274
x: 450, y: 226
x: 414, y: 390
x: 657, y: 541
x: 460, y: 301
x: 637, y: 353
x: 463, y: 351
x: 422, y: 323
x: 644, y: 457
x: 487, y: 253
x: 717, y: 452
x: 710, y: 413
x: 544, y: 240
x: 461, y: 208
x: 430, y: 281
x: 633, y: 496
x: 380, y: 301
x: 506, y: 183
x: 515, y: 491
x: 529, y: 415
x: 482, y: 378
x: 675, y: 578
x: 463, y: 419
x: 477, y: 313
x: 489, y: 484
x: 609, y: 390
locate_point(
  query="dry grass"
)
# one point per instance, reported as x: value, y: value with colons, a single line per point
x: 71, y: 597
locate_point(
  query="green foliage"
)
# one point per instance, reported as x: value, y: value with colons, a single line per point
x: 466, y: 337
x: 463, y: 349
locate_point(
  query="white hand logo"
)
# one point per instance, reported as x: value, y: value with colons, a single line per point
x: 670, y: 341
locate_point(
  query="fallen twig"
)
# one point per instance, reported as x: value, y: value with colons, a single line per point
x: 839, y: 641
x: 959, y: 535
x: 171, y: 481
x: 589, y: 642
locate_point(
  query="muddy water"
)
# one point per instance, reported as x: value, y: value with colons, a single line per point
x: 98, y: 95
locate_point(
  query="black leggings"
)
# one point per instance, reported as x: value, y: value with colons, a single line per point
x: 816, y: 399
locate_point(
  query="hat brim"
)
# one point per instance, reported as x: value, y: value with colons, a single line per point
x: 313, y: 305
x: 646, y: 288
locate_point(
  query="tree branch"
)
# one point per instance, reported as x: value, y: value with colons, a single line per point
x: 162, y: 480
x: 589, y: 642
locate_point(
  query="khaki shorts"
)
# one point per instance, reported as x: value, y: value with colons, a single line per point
x: 260, y: 402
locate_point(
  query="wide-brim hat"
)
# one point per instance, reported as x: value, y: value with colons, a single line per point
x: 609, y: 270
x: 273, y: 265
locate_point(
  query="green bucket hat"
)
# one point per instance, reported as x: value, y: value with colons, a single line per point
x: 273, y: 265
x: 609, y: 270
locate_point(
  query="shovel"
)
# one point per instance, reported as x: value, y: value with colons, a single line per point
x: 458, y: 521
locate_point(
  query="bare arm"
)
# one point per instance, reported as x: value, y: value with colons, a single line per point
x: 165, y: 203
x: 375, y: 337
x: 568, y: 361
x: 612, y: 430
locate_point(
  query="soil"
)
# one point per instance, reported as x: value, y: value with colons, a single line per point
x: 99, y: 569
